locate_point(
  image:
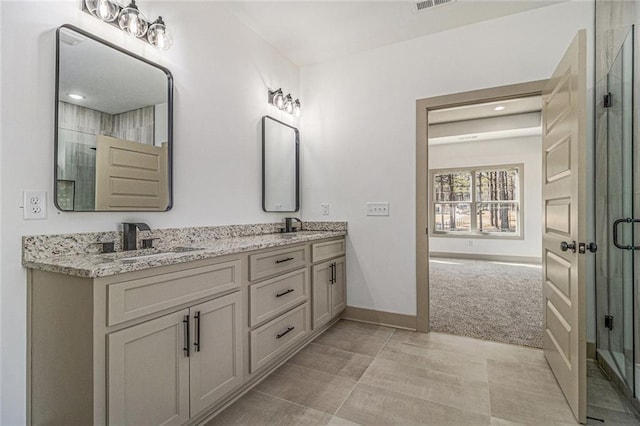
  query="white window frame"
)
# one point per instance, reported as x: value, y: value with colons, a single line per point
x: 474, y: 232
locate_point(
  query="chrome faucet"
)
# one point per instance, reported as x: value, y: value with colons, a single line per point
x: 288, y: 225
x: 129, y: 238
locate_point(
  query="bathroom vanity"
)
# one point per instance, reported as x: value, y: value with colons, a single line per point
x: 173, y: 336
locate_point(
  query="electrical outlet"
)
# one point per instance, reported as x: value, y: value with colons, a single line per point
x: 378, y: 209
x: 325, y: 209
x: 34, y: 205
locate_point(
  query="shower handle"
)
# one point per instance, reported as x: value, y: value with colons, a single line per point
x: 615, y: 233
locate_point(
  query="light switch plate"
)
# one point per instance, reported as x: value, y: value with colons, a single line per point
x: 378, y: 209
x: 34, y: 205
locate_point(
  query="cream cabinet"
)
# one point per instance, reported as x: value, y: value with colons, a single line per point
x: 152, y: 347
x: 173, y: 345
x: 167, y: 370
x: 148, y: 373
x: 328, y: 282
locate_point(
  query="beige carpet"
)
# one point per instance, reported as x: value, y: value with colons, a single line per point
x: 496, y: 301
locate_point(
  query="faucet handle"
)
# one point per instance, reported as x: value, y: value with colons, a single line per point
x: 147, y: 243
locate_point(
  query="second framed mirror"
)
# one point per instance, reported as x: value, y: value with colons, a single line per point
x: 280, y: 166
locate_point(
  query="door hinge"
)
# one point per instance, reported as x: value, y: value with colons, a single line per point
x: 607, y: 100
x: 608, y: 322
x: 426, y: 231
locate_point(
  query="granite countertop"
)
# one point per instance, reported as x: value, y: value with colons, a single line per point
x: 92, y: 265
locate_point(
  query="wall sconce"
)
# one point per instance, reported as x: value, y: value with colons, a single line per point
x: 130, y: 20
x: 284, y: 103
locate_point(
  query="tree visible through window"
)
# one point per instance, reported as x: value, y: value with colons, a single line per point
x: 477, y: 200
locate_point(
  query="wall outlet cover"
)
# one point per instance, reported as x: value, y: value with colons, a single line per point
x: 325, y: 209
x: 34, y: 205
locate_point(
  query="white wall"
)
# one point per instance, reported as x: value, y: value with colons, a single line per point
x: 358, y: 130
x: 221, y: 70
x: 523, y: 150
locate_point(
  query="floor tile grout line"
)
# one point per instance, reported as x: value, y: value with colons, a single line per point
x: 318, y: 371
x: 290, y: 402
x: 365, y: 371
x: 313, y: 342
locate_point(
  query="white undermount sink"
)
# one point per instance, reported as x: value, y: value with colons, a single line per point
x: 140, y: 256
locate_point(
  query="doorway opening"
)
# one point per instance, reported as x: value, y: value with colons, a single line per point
x: 484, y: 210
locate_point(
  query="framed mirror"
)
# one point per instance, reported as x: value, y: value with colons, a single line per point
x: 280, y: 166
x: 114, y: 127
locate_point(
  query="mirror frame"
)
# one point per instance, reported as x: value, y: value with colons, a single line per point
x: 169, y: 121
x: 297, y: 144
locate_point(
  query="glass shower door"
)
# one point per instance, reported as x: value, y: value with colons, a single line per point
x: 615, y: 199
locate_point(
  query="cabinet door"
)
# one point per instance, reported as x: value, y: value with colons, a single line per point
x: 339, y: 287
x: 216, y: 350
x: 149, y: 373
x: 321, y: 293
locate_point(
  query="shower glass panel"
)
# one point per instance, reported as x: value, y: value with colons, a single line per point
x: 615, y: 199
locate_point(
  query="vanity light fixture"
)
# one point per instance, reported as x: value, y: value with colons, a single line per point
x: 276, y: 97
x: 284, y: 103
x: 159, y: 35
x: 103, y: 9
x: 130, y: 20
x: 288, y: 104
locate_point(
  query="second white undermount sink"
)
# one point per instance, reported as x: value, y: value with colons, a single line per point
x: 147, y: 255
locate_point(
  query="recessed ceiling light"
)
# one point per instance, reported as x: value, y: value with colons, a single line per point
x: 75, y: 96
x: 499, y: 108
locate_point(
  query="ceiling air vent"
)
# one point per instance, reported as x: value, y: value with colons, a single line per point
x: 421, y: 6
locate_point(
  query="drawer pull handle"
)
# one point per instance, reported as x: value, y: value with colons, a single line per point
x: 284, y: 260
x: 291, y: 290
x: 289, y: 329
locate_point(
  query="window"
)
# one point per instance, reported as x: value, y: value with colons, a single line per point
x: 478, y: 200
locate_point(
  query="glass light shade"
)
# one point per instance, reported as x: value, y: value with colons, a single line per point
x: 132, y: 21
x: 102, y: 9
x: 278, y: 99
x: 296, y: 108
x: 159, y: 35
x: 288, y: 104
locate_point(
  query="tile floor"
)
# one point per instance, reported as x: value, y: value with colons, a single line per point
x: 604, y: 402
x: 359, y: 373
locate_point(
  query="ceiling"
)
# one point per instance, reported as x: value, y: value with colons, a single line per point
x: 314, y: 31
x: 484, y: 121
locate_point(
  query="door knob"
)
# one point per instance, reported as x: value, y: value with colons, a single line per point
x: 564, y: 246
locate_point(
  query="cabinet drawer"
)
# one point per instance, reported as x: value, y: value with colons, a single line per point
x: 270, y: 298
x: 273, y: 262
x: 275, y: 337
x: 327, y: 250
x: 132, y: 299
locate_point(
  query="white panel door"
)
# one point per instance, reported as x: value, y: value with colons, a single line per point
x: 564, y: 215
x: 130, y: 175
